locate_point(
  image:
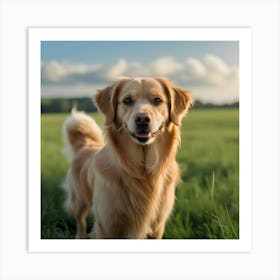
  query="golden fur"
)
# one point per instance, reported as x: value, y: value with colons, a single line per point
x: 129, y: 181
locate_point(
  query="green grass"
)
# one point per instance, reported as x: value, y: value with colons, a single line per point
x: 207, y: 200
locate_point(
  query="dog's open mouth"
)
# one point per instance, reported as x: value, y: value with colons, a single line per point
x: 142, y: 136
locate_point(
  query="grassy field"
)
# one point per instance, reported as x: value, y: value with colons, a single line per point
x: 207, y: 200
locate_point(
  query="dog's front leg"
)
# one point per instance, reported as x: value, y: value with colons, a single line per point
x: 165, y: 209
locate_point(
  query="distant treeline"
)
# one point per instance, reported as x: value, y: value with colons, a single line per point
x: 198, y: 104
x: 61, y: 105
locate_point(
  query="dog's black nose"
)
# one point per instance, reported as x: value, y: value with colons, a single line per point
x: 142, y: 119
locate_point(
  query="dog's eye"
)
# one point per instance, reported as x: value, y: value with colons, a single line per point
x: 157, y: 101
x: 128, y: 101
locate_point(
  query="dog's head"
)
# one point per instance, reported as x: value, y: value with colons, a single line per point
x: 143, y: 106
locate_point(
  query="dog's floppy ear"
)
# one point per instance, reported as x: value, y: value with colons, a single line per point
x: 180, y: 103
x: 179, y: 100
x: 106, y: 101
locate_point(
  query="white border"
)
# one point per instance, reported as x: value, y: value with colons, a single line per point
x: 263, y: 261
x: 243, y: 35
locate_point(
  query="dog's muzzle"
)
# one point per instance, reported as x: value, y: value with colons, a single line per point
x: 142, y: 128
x: 143, y: 135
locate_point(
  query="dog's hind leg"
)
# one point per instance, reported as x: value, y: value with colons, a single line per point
x: 81, y: 213
x: 79, y: 210
x: 78, y: 207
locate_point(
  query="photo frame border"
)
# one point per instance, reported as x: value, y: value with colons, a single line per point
x: 243, y: 35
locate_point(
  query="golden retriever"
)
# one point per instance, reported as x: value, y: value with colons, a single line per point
x: 129, y: 180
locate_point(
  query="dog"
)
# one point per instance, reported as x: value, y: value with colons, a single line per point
x: 128, y: 180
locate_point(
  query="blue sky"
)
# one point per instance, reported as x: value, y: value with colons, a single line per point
x: 77, y: 68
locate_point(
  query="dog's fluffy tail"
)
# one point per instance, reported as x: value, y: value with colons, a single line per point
x: 80, y: 130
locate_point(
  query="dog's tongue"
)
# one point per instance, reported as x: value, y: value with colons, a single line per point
x: 143, y: 134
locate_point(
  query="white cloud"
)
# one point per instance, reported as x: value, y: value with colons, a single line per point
x: 137, y: 69
x: 55, y: 71
x: 165, y: 66
x: 216, y: 64
x: 209, y: 77
x: 210, y: 71
x: 117, y: 70
x: 195, y: 68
